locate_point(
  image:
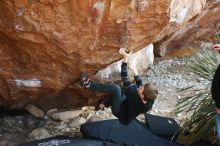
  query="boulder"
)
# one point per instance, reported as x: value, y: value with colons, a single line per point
x: 35, y: 111
x: 45, y: 45
x: 67, y: 115
x: 39, y: 133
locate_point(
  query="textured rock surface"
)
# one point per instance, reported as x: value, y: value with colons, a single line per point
x: 200, y: 26
x: 45, y: 44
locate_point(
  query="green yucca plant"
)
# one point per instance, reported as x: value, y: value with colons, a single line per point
x: 199, y: 104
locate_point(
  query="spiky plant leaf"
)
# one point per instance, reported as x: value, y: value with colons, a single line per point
x: 199, y: 104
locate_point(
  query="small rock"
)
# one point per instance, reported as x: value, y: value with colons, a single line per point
x: 67, y: 115
x: 51, y: 111
x: 74, y: 129
x: 84, y: 108
x: 179, y: 115
x: 39, y: 133
x: 35, y: 111
x: 62, y: 126
x: 76, y: 122
x: 102, y: 115
x: 89, y: 116
x: 156, y: 110
x: 201, y: 79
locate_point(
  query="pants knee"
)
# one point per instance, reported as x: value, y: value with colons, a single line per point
x: 117, y: 88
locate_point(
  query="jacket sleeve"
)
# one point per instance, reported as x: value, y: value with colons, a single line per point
x: 124, y: 75
x: 149, y: 105
x: 138, y: 81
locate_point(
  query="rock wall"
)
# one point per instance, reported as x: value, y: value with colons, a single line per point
x: 45, y: 44
x: 197, y: 27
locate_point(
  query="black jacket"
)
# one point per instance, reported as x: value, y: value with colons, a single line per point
x: 132, y: 106
x: 215, y: 88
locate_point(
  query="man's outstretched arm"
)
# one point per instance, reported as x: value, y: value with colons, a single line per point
x: 136, y: 76
x: 124, y: 75
x: 124, y: 68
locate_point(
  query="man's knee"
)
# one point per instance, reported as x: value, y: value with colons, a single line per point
x: 116, y: 87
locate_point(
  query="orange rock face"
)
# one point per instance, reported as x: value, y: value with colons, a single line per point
x: 46, y: 44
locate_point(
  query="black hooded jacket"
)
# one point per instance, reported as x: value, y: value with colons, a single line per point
x: 215, y: 88
x: 132, y: 106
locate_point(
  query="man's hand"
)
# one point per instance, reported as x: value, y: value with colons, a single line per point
x: 124, y: 54
x: 217, y: 110
x: 216, y: 47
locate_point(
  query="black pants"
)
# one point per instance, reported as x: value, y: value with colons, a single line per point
x: 114, y: 90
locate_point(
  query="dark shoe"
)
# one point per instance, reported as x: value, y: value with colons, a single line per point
x: 84, y: 79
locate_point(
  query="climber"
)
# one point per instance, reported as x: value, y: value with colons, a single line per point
x: 215, y: 91
x: 136, y: 98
